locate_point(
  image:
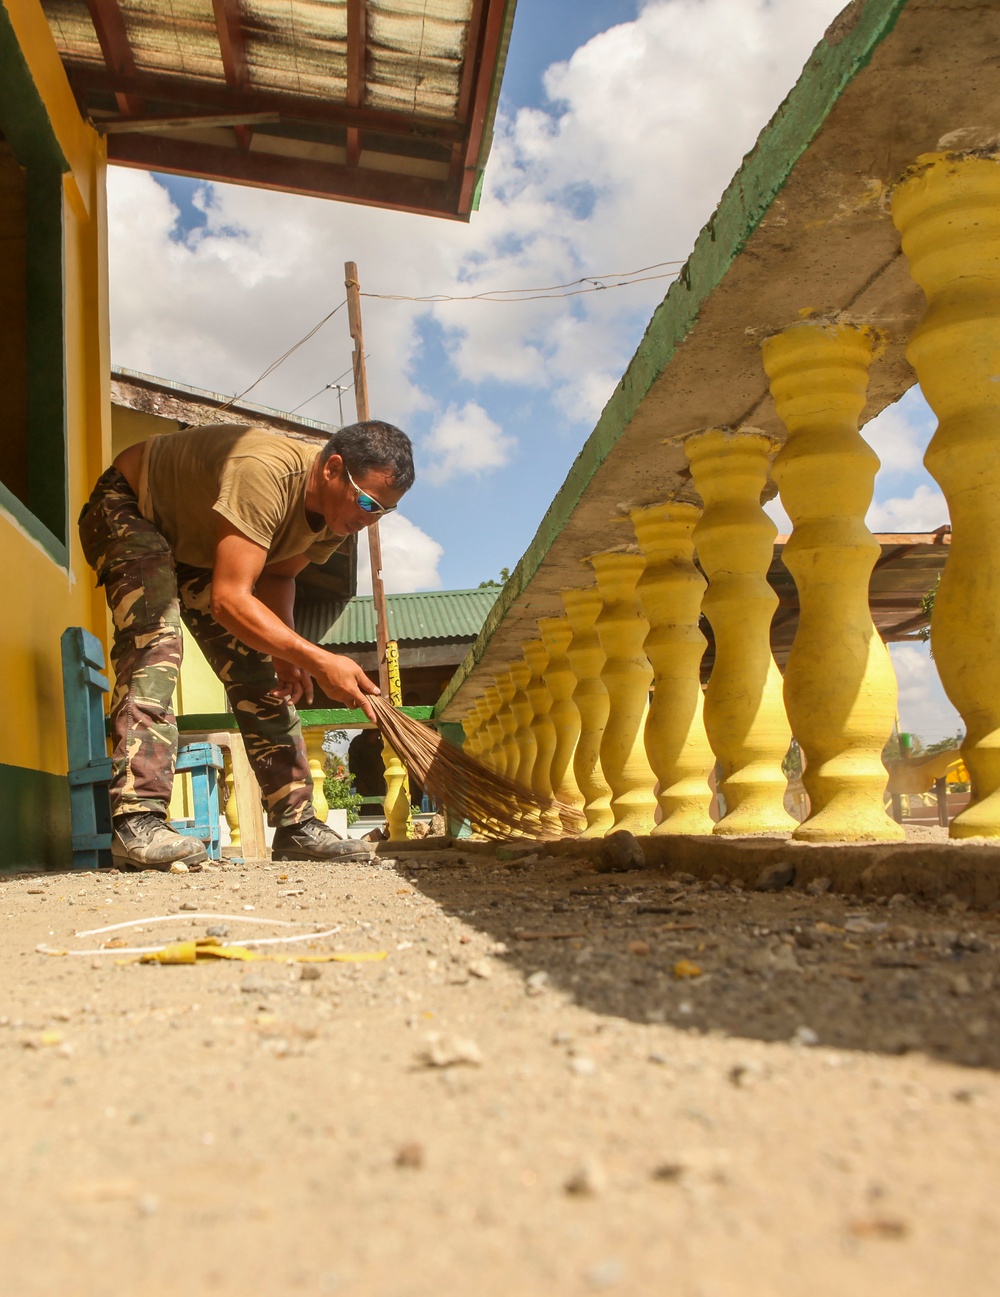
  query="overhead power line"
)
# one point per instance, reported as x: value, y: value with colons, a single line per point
x: 586, y: 284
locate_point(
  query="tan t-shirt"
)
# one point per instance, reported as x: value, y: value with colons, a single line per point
x: 255, y: 479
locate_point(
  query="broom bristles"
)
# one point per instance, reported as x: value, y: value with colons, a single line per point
x: 494, y: 805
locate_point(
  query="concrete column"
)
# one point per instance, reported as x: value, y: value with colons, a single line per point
x: 317, y: 758
x: 556, y: 636
x: 537, y: 656
x: 627, y: 676
x: 508, y: 725
x: 840, y: 688
x: 947, y: 208
x: 590, y: 697
x: 670, y: 591
x: 744, y: 716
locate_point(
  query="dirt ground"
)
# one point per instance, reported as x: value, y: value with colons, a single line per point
x: 557, y: 1081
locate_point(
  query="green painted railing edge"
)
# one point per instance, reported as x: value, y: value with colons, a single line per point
x: 747, y: 198
x: 332, y: 717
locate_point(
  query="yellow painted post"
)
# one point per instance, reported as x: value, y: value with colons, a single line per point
x: 947, y: 209
x: 510, y: 756
x: 398, y: 813
x: 670, y: 591
x: 627, y: 676
x: 317, y: 757
x: 556, y: 636
x: 471, y: 727
x: 744, y: 716
x: 840, y: 688
x: 590, y: 697
x: 537, y: 656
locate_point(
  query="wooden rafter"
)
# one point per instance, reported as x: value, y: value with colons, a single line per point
x: 492, y: 25
x: 229, y: 25
x: 357, y: 48
x: 290, y: 175
x: 113, y: 39
x: 191, y: 94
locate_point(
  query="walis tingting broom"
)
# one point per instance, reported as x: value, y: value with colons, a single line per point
x: 494, y: 806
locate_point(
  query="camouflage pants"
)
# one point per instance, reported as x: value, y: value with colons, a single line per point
x: 149, y: 595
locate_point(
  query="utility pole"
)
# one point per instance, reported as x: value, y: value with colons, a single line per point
x: 361, y: 401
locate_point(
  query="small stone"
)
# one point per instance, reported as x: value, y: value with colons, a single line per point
x: 775, y: 877
x: 805, y: 1036
x: 818, y: 886
x: 684, y: 968
x: 410, y: 1156
x: 638, y: 947
x: 667, y: 1172
x: 621, y: 851
x: 450, y: 1051
x: 898, y: 899
x: 587, y: 1181
x: 178, y: 867
x: 255, y: 983
x: 310, y: 973
x: 481, y: 968
x: 581, y: 1065
x: 768, y: 959
x: 537, y: 983
x: 188, y: 905
x: 605, y: 1275
x: 960, y: 984
x: 219, y: 930
x: 659, y: 1057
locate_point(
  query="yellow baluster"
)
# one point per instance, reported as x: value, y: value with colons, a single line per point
x: 317, y: 758
x: 556, y: 636
x: 590, y: 697
x: 840, y: 688
x: 472, y: 724
x: 670, y: 591
x: 524, y: 739
x: 508, y: 725
x: 948, y: 211
x: 537, y: 656
x: 493, y: 754
x: 627, y: 676
x: 231, y: 812
x: 398, y: 812
x: 744, y: 716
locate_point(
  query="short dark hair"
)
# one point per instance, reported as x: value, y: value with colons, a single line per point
x: 373, y: 445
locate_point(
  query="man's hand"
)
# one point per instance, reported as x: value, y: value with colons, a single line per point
x: 294, y: 682
x: 341, y: 678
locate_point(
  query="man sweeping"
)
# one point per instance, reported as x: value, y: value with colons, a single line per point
x: 210, y: 526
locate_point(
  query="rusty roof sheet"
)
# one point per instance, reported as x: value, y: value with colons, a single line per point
x: 337, y: 97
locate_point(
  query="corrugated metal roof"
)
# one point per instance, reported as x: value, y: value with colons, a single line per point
x: 407, y: 87
x: 413, y: 618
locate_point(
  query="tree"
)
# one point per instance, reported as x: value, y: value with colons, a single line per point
x: 490, y: 584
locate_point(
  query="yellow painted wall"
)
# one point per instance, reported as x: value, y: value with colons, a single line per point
x: 39, y: 595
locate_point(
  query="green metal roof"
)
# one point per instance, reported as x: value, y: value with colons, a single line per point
x: 413, y: 618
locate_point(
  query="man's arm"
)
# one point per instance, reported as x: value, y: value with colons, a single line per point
x: 254, y: 603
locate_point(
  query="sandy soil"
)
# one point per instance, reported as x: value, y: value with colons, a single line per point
x: 558, y: 1081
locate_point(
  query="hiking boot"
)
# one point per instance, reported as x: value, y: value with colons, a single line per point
x: 314, y: 840
x: 145, y: 841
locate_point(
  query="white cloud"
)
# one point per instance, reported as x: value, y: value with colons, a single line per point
x: 409, y: 557
x: 465, y: 441
x: 923, y: 706
x: 924, y: 510
x: 898, y: 441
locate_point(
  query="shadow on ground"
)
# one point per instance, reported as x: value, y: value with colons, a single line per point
x: 889, y: 975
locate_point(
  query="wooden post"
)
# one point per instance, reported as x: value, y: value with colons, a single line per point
x: 361, y: 404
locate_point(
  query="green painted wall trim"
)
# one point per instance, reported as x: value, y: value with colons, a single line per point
x: 832, y: 66
x: 35, y: 830
x: 27, y: 128
x: 25, y: 118
x: 332, y: 717
x: 22, y: 516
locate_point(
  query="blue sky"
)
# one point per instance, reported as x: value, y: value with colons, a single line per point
x: 211, y: 283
